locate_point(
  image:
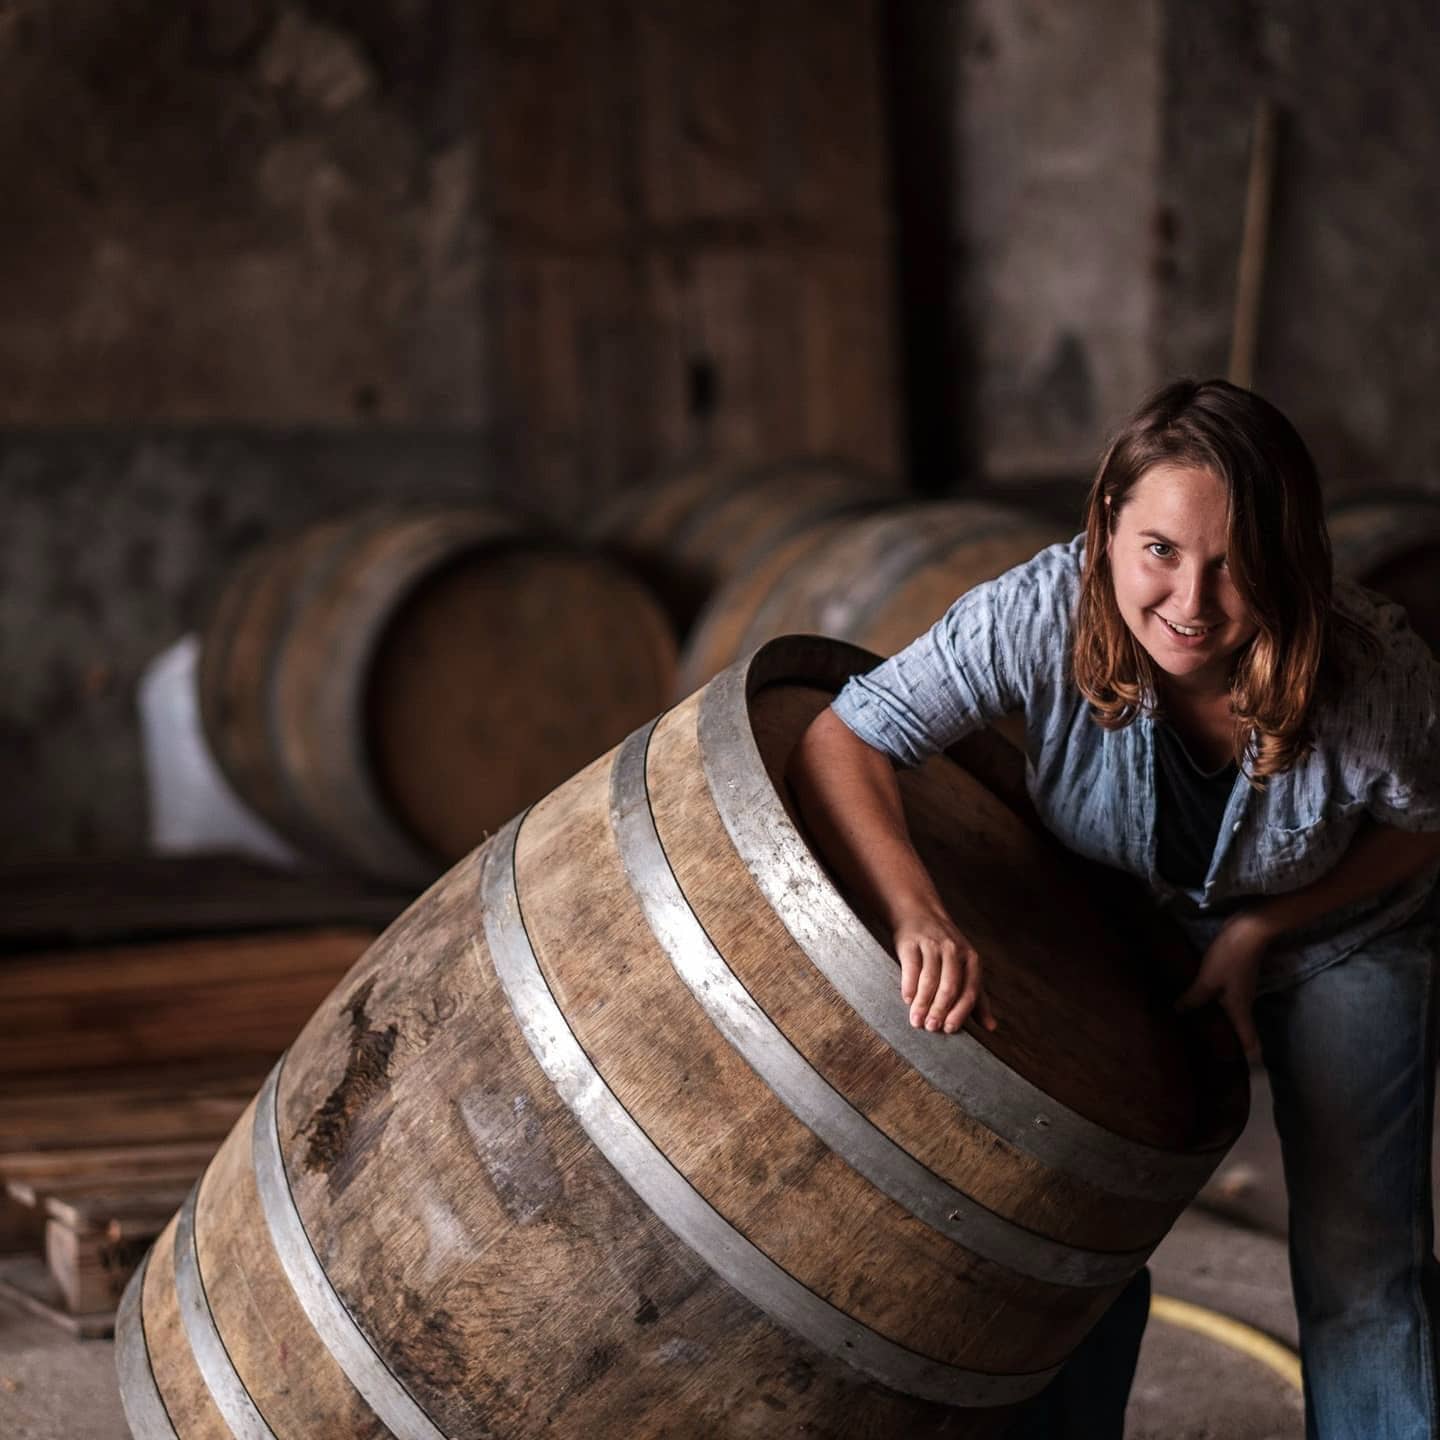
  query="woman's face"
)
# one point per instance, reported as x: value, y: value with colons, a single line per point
x: 1167, y: 559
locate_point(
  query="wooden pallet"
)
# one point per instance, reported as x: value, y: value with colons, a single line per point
x: 101, y: 1209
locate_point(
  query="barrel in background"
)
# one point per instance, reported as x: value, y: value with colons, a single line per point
x: 387, y: 688
x: 876, y: 580
x: 621, y: 1128
x: 1393, y: 546
x: 690, y: 530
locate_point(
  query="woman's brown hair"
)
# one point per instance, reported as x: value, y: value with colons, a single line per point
x: 1279, y: 558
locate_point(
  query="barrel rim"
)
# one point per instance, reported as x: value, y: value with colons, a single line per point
x: 843, y: 950
x: 670, y: 1196
x: 793, y: 1080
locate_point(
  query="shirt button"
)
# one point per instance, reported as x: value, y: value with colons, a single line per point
x: 1235, y: 827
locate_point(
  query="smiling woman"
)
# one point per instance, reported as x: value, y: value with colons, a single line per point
x: 1204, y: 710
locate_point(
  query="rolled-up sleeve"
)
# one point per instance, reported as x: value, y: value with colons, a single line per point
x: 962, y: 673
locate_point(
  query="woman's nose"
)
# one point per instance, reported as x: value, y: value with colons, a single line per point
x: 1193, y: 592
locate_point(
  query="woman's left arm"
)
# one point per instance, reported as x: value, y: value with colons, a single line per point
x: 1379, y: 858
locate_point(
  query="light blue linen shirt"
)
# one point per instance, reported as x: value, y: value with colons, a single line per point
x: 1005, y: 645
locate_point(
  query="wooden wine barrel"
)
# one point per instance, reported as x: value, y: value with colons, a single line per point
x: 388, y: 688
x: 876, y: 580
x: 1393, y: 546
x: 693, y: 528
x: 622, y: 1129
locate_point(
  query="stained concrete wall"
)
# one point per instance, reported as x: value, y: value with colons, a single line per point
x: 1058, y: 164
x: 238, y: 211
x: 1349, y: 341
x: 263, y: 259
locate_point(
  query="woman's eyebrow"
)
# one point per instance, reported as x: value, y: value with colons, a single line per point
x: 1156, y: 535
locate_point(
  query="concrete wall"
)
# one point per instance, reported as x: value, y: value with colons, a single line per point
x: 238, y: 211
x: 1059, y: 161
x: 263, y: 259
x: 1349, y: 342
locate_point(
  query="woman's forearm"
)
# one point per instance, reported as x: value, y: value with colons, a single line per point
x: 1379, y: 858
x: 850, y: 801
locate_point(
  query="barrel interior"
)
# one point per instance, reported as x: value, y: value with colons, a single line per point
x: 500, y: 675
x: 1083, y: 1015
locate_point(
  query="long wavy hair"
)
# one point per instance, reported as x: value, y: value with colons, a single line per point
x: 1279, y: 561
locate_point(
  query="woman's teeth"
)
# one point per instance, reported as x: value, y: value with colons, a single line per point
x: 1190, y: 631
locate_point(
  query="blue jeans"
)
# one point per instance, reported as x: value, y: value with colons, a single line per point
x: 1351, y: 1056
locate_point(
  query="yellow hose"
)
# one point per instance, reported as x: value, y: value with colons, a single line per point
x: 1232, y: 1333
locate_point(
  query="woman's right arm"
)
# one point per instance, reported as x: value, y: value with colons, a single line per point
x: 850, y: 801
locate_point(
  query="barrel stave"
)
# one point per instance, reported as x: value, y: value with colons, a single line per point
x: 451, y: 1212
x: 182, y: 1387
x: 736, y: 1143
x: 842, y: 1047
x: 283, y: 1363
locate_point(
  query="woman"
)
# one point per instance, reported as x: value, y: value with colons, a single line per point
x: 1204, y: 710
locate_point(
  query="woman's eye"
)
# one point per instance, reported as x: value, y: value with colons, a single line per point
x: 1160, y: 550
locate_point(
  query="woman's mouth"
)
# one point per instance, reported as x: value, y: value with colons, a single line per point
x: 1187, y: 634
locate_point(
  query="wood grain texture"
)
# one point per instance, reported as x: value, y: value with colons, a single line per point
x: 508, y: 1275
x: 399, y: 683
x: 502, y: 675
x: 851, y: 1057
x: 515, y: 1283
x: 196, y: 998
x: 719, y: 1124
x: 884, y: 578
x: 721, y: 630
x: 182, y: 1388
x: 284, y: 1364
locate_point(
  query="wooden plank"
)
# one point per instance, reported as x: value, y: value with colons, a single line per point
x: 104, y: 1165
x: 50, y: 903
x: 191, y: 999
x: 95, y: 1117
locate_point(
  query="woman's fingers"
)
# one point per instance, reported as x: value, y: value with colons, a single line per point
x: 940, y: 981
x: 930, y: 983
x: 973, y: 1001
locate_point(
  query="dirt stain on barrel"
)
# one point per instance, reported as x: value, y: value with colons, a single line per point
x: 366, y: 1079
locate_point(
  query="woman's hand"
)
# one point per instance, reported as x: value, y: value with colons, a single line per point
x: 940, y: 975
x: 1228, y: 973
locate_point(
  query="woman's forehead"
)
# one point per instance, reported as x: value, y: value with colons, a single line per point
x: 1191, y: 500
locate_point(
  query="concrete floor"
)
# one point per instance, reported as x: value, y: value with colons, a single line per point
x: 1189, y: 1386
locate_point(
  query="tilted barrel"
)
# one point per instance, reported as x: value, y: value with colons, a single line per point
x: 622, y: 1129
x: 389, y: 687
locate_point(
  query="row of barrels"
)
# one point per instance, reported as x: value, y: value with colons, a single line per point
x: 386, y: 689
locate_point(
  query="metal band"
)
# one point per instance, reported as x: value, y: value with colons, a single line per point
x: 226, y: 1388
x: 363, y: 1367
x: 140, y: 1396
x: 816, y: 916
x: 671, y: 1197
x: 794, y: 1081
